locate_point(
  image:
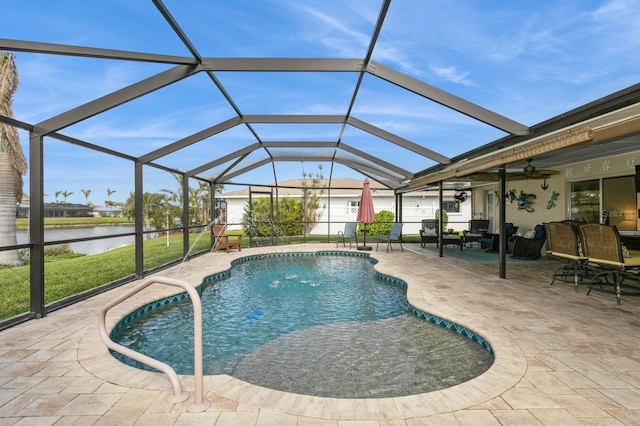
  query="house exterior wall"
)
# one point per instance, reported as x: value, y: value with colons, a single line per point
x: 339, y: 210
x: 544, y: 209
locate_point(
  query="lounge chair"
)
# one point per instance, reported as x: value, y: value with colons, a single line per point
x: 395, y: 236
x: 529, y: 248
x: 603, y: 249
x: 477, y: 227
x: 350, y: 232
x: 429, y: 232
x: 222, y: 241
x: 491, y: 242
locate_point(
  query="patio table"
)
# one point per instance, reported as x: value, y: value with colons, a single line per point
x: 455, y: 239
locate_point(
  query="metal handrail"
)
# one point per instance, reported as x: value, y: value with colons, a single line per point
x: 198, y: 405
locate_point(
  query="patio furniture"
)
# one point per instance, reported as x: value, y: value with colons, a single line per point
x: 491, y: 242
x: 603, y: 249
x: 563, y: 243
x: 350, y: 232
x: 222, y: 241
x: 429, y: 232
x: 529, y: 248
x: 453, y: 239
x: 395, y: 236
x: 477, y: 227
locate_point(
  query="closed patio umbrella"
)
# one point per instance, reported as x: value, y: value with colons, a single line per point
x: 365, y: 211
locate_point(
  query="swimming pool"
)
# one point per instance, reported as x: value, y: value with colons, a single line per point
x: 324, y: 324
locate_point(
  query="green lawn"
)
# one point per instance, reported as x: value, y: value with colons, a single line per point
x: 50, y: 222
x: 68, y: 276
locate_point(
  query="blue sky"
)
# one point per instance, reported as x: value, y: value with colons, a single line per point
x: 528, y: 61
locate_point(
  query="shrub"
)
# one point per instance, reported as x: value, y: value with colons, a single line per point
x: 259, y: 223
x: 382, y: 225
x: 445, y: 218
x: 57, y: 250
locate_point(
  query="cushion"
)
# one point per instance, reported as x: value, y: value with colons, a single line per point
x: 531, y: 233
x: 429, y: 232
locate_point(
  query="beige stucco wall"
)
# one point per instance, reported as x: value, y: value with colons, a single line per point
x: 607, y: 166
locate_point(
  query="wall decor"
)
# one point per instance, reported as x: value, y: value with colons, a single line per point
x: 525, y: 201
x: 552, y: 201
x: 507, y: 196
x: 544, y: 185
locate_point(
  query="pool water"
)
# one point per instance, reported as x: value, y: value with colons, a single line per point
x: 317, y: 325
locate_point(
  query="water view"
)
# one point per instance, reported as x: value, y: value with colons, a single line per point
x: 86, y: 247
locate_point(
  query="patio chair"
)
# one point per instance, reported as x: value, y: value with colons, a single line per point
x: 529, y: 248
x: 222, y: 241
x: 429, y: 232
x: 477, y: 227
x: 395, y: 236
x: 563, y: 243
x: 350, y: 232
x: 602, y: 248
x: 491, y: 242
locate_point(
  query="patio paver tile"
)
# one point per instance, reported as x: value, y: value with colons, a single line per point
x: 575, y: 361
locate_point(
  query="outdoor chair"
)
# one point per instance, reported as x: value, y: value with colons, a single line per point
x: 222, y: 241
x: 603, y: 249
x: 529, y: 248
x: 491, y: 242
x: 477, y: 227
x: 350, y: 232
x: 563, y: 243
x: 511, y: 235
x: 395, y: 236
x: 429, y: 232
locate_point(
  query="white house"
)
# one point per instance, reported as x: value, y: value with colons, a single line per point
x: 341, y: 204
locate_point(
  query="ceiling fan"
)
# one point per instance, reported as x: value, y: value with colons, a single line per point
x: 529, y: 169
x: 530, y: 172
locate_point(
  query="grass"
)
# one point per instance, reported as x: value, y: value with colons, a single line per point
x: 53, y: 222
x: 66, y: 276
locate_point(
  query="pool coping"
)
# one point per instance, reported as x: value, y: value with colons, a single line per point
x: 507, y: 370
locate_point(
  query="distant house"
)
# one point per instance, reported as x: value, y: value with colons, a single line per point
x: 55, y: 209
x: 67, y: 210
x: 342, y: 204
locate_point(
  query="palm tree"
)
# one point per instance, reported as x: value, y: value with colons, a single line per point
x: 57, y: 195
x: 108, y: 201
x: 152, y: 209
x: 13, y: 164
x: 110, y: 193
x: 66, y: 194
x: 86, y: 193
x: 199, y: 198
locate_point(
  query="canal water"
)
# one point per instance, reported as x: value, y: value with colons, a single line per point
x: 86, y: 247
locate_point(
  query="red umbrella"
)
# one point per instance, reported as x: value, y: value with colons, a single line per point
x: 365, y: 210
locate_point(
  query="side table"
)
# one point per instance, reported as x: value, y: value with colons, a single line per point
x: 455, y: 239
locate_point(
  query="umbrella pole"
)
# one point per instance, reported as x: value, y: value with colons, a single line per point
x: 364, y: 245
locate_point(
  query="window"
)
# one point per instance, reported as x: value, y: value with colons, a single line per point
x: 585, y: 201
x: 619, y: 202
x: 451, y: 206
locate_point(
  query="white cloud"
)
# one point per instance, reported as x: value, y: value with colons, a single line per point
x: 337, y: 35
x: 452, y: 74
